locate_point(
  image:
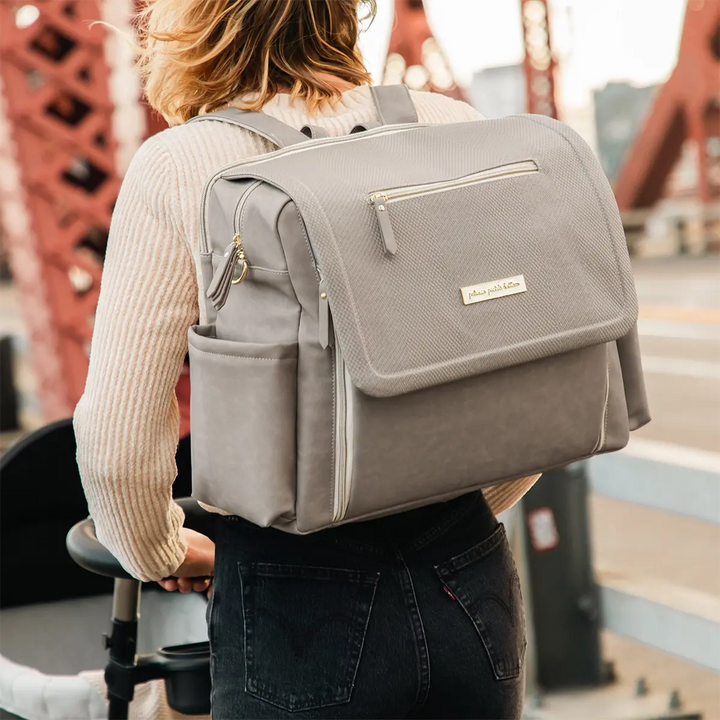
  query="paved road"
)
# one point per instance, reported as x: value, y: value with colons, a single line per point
x: 680, y: 340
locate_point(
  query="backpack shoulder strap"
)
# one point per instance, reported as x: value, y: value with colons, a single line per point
x: 394, y: 104
x: 266, y: 126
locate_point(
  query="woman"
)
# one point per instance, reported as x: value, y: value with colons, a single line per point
x: 414, y: 615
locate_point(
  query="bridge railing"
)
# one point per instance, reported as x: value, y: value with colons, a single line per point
x: 659, y: 613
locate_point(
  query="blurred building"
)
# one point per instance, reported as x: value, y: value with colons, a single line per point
x: 620, y: 108
x: 499, y: 91
x: 581, y: 118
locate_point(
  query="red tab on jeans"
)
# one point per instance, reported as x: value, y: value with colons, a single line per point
x: 445, y: 588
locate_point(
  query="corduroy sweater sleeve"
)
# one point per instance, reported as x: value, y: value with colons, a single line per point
x: 127, y: 421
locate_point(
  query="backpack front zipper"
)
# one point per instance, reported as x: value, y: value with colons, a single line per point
x: 383, y: 199
x: 343, y: 436
x: 224, y: 277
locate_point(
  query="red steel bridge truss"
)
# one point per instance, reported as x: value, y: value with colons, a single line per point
x: 687, y: 107
x: 59, y: 177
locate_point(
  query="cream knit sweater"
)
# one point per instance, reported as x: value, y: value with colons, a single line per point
x: 127, y: 421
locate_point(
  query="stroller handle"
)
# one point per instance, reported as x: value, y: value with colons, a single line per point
x: 186, y: 669
x: 85, y: 549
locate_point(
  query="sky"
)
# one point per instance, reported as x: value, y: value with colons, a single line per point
x: 595, y: 40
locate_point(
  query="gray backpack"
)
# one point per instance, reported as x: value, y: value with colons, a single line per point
x: 401, y: 315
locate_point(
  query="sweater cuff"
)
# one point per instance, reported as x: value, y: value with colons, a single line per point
x: 147, y: 556
x: 164, y: 558
x: 174, y: 551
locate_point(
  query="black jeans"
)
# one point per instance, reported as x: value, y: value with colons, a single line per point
x: 417, y: 615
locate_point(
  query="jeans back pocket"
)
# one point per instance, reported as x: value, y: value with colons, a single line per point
x: 304, y: 632
x: 485, y: 581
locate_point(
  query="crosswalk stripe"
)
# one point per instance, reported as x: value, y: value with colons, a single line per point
x: 681, y: 367
x: 678, y: 330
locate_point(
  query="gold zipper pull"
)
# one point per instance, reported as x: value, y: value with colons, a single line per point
x: 223, y: 278
x: 238, y: 243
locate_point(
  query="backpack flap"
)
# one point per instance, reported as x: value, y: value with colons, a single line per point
x: 454, y: 250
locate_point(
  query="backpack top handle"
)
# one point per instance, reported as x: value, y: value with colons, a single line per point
x: 394, y: 104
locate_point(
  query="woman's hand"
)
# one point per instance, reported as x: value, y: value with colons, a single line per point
x: 199, y: 563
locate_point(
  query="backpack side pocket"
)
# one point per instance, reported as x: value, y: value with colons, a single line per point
x: 243, y: 406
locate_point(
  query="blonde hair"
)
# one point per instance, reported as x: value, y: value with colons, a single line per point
x: 199, y: 55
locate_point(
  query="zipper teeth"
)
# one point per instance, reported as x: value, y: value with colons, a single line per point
x: 340, y: 441
x: 241, y: 205
x: 343, y: 443
x: 309, y: 246
x: 310, y: 144
x: 453, y: 186
x: 396, y: 194
x: 340, y: 140
x: 203, y: 204
x: 347, y: 480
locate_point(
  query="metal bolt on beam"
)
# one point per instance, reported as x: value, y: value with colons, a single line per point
x: 641, y: 687
x: 9, y: 420
x: 675, y: 700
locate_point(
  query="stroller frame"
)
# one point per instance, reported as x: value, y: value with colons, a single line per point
x: 184, y: 668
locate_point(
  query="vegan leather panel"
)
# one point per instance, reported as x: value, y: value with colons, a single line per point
x: 243, y: 413
x: 631, y: 362
x: 472, y: 436
x: 617, y: 430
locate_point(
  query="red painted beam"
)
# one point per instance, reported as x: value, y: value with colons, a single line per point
x: 414, y: 56
x: 539, y: 63
x: 58, y: 113
x: 683, y: 109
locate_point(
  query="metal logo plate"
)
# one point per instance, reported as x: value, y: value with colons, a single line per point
x: 494, y: 289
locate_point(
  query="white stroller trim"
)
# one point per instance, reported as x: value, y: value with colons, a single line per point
x: 28, y: 693
x: 31, y: 694
x: 52, y: 622
x: 168, y: 618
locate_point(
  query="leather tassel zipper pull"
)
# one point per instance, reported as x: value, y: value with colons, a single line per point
x: 380, y: 205
x: 224, y: 276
